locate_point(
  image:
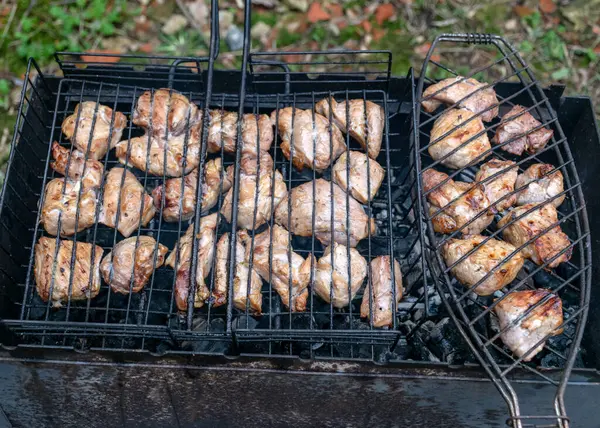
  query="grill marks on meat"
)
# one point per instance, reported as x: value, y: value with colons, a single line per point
x: 257, y: 130
x: 467, y: 136
x: 368, y: 133
x: 460, y: 212
x: 165, y: 113
x: 303, y: 204
x: 517, y: 125
x: 360, y: 175
x: 288, y: 270
x: 331, y: 278
x: 89, y: 127
x: 381, y: 291
x: 131, y: 201
x: 67, y: 203
x: 172, y: 156
x: 256, y: 176
x: 82, y: 277
x: 544, y: 247
x: 500, y: 186
x: 468, y: 93
x: 308, y: 143
x: 180, y: 259
x: 489, y: 259
x: 242, y: 294
x: 127, y: 266
x: 174, y: 195
x: 540, y: 183
x: 541, y: 322
x: 89, y: 171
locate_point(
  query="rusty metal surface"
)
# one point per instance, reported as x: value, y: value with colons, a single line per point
x: 96, y: 391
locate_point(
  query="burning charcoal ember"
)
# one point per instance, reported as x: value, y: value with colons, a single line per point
x: 94, y: 128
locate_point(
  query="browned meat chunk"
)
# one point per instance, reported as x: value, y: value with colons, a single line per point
x: 382, y: 296
x: 255, y: 177
x: 490, y: 259
x: 460, y: 212
x: 171, y: 156
x: 93, y: 126
x: 519, y: 130
x: 543, y: 247
x: 242, y: 295
x: 368, y: 133
x: 468, y: 94
x: 308, y: 142
x: 83, y: 276
x: 361, y: 176
x: 544, y: 321
x: 180, y: 198
x: 497, y: 188
x: 257, y: 131
x: 467, y: 137
x: 540, y: 184
x: 331, y: 277
x: 89, y: 171
x: 128, y: 268
x: 164, y: 112
x: 128, y: 199
x: 285, y: 273
x: 73, y: 206
x: 303, y: 204
x: 180, y: 259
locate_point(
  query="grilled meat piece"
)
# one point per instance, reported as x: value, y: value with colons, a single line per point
x: 543, y: 247
x: 85, y: 271
x: 543, y: 321
x: 468, y: 94
x: 382, y: 295
x: 503, y: 184
x: 303, y: 204
x: 540, y: 185
x: 289, y: 270
x: 89, y: 171
x: 257, y: 130
x: 513, y: 127
x: 369, y: 134
x: 360, y: 175
x: 489, y: 258
x: 175, y: 195
x: 311, y: 142
x: 471, y: 201
x: 165, y: 112
x: 171, y: 156
x: 241, y: 295
x: 126, y: 198
x: 334, y: 275
x: 72, y: 205
x: 90, y: 126
x: 456, y: 122
x: 127, y: 266
x: 255, y: 172
x: 180, y: 259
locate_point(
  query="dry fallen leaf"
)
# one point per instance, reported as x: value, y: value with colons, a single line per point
x: 366, y: 25
x: 422, y: 49
x: 547, y: 6
x: 384, y: 12
x: 378, y: 34
x: 316, y: 13
x: 337, y: 10
x: 523, y: 11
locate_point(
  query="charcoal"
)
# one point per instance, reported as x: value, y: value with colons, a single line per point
x: 244, y: 322
x: 447, y: 343
x: 401, y: 350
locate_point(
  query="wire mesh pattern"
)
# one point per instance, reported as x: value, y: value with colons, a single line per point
x: 514, y: 85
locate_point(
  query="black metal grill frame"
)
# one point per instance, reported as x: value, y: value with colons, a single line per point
x: 492, y: 356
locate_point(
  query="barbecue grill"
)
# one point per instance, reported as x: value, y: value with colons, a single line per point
x: 440, y: 339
